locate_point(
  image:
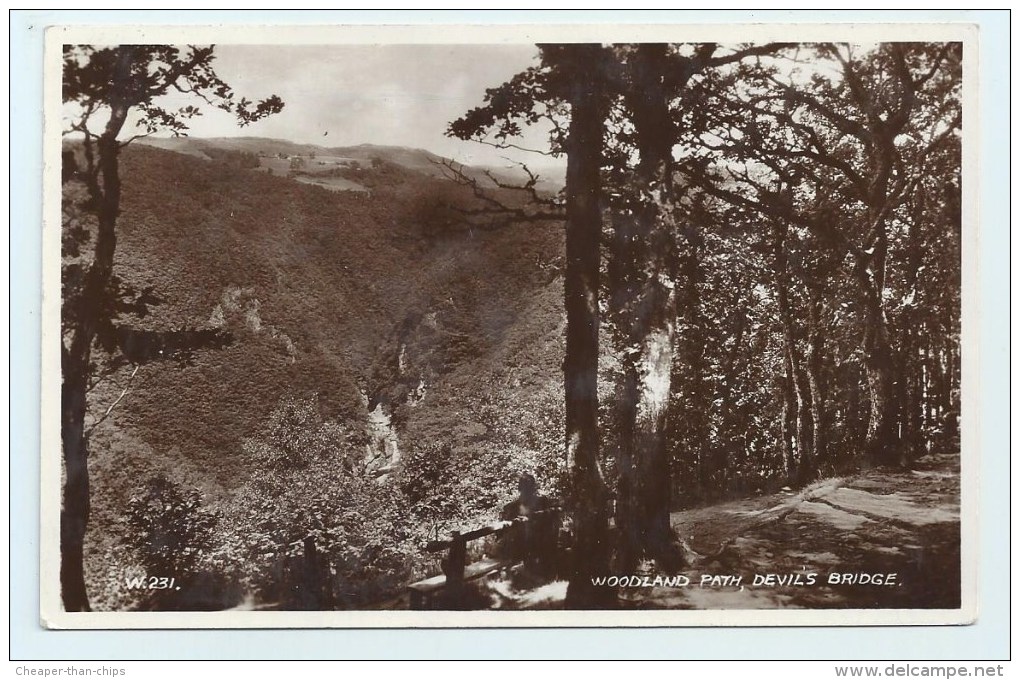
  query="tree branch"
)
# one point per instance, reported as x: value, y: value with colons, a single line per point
x: 123, y: 393
x: 133, y: 138
x: 511, y: 145
x: 840, y: 122
x: 756, y: 51
x: 924, y: 78
x: 495, y: 207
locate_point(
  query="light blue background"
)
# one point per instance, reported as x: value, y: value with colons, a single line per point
x: 988, y: 639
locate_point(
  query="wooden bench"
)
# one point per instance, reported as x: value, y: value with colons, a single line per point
x: 456, y: 571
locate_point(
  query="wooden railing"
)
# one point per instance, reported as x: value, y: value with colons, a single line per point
x: 457, y: 572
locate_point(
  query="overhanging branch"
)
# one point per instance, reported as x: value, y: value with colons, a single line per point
x: 535, y: 208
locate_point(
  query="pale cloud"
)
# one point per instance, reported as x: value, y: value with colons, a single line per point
x: 403, y: 95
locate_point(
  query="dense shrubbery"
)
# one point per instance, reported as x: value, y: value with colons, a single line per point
x: 307, y: 479
x: 171, y: 529
x: 239, y: 159
x: 172, y: 534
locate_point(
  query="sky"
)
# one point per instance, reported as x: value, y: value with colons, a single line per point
x: 403, y: 95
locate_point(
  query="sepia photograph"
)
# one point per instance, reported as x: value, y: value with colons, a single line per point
x: 549, y: 328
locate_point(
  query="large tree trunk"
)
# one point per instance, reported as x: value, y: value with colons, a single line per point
x: 589, y: 497
x: 882, y: 442
x: 643, y: 503
x: 74, y: 512
x: 645, y: 245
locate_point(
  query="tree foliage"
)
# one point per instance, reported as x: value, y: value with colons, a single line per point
x: 171, y: 532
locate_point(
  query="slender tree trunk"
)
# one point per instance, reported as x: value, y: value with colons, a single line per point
x: 805, y: 470
x: 693, y: 366
x: 805, y: 467
x: 815, y: 354
x: 924, y: 391
x: 726, y: 446
x: 854, y: 397
x: 941, y: 384
x: 911, y: 395
x: 688, y: 419
x: 952, y: 400
x: 819, y: 443
x: 788, y: 420
x: 589, y: 497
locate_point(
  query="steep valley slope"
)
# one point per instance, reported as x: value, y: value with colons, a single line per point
x: 388, y: 298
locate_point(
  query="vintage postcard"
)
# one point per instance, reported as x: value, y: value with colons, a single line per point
x: 519, y: 326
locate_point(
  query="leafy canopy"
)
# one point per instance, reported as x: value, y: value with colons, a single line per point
x: 137, y: 76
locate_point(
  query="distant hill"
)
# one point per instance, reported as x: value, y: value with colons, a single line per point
x: 419, y: 160
x: 390, y: 296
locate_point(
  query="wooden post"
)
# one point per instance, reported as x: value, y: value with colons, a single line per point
x: 453, y: 567
x: 543, y: 541
x: 311, y: 596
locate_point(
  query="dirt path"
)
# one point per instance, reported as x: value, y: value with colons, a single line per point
x: 900, y: 529
x: 891, y: 538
